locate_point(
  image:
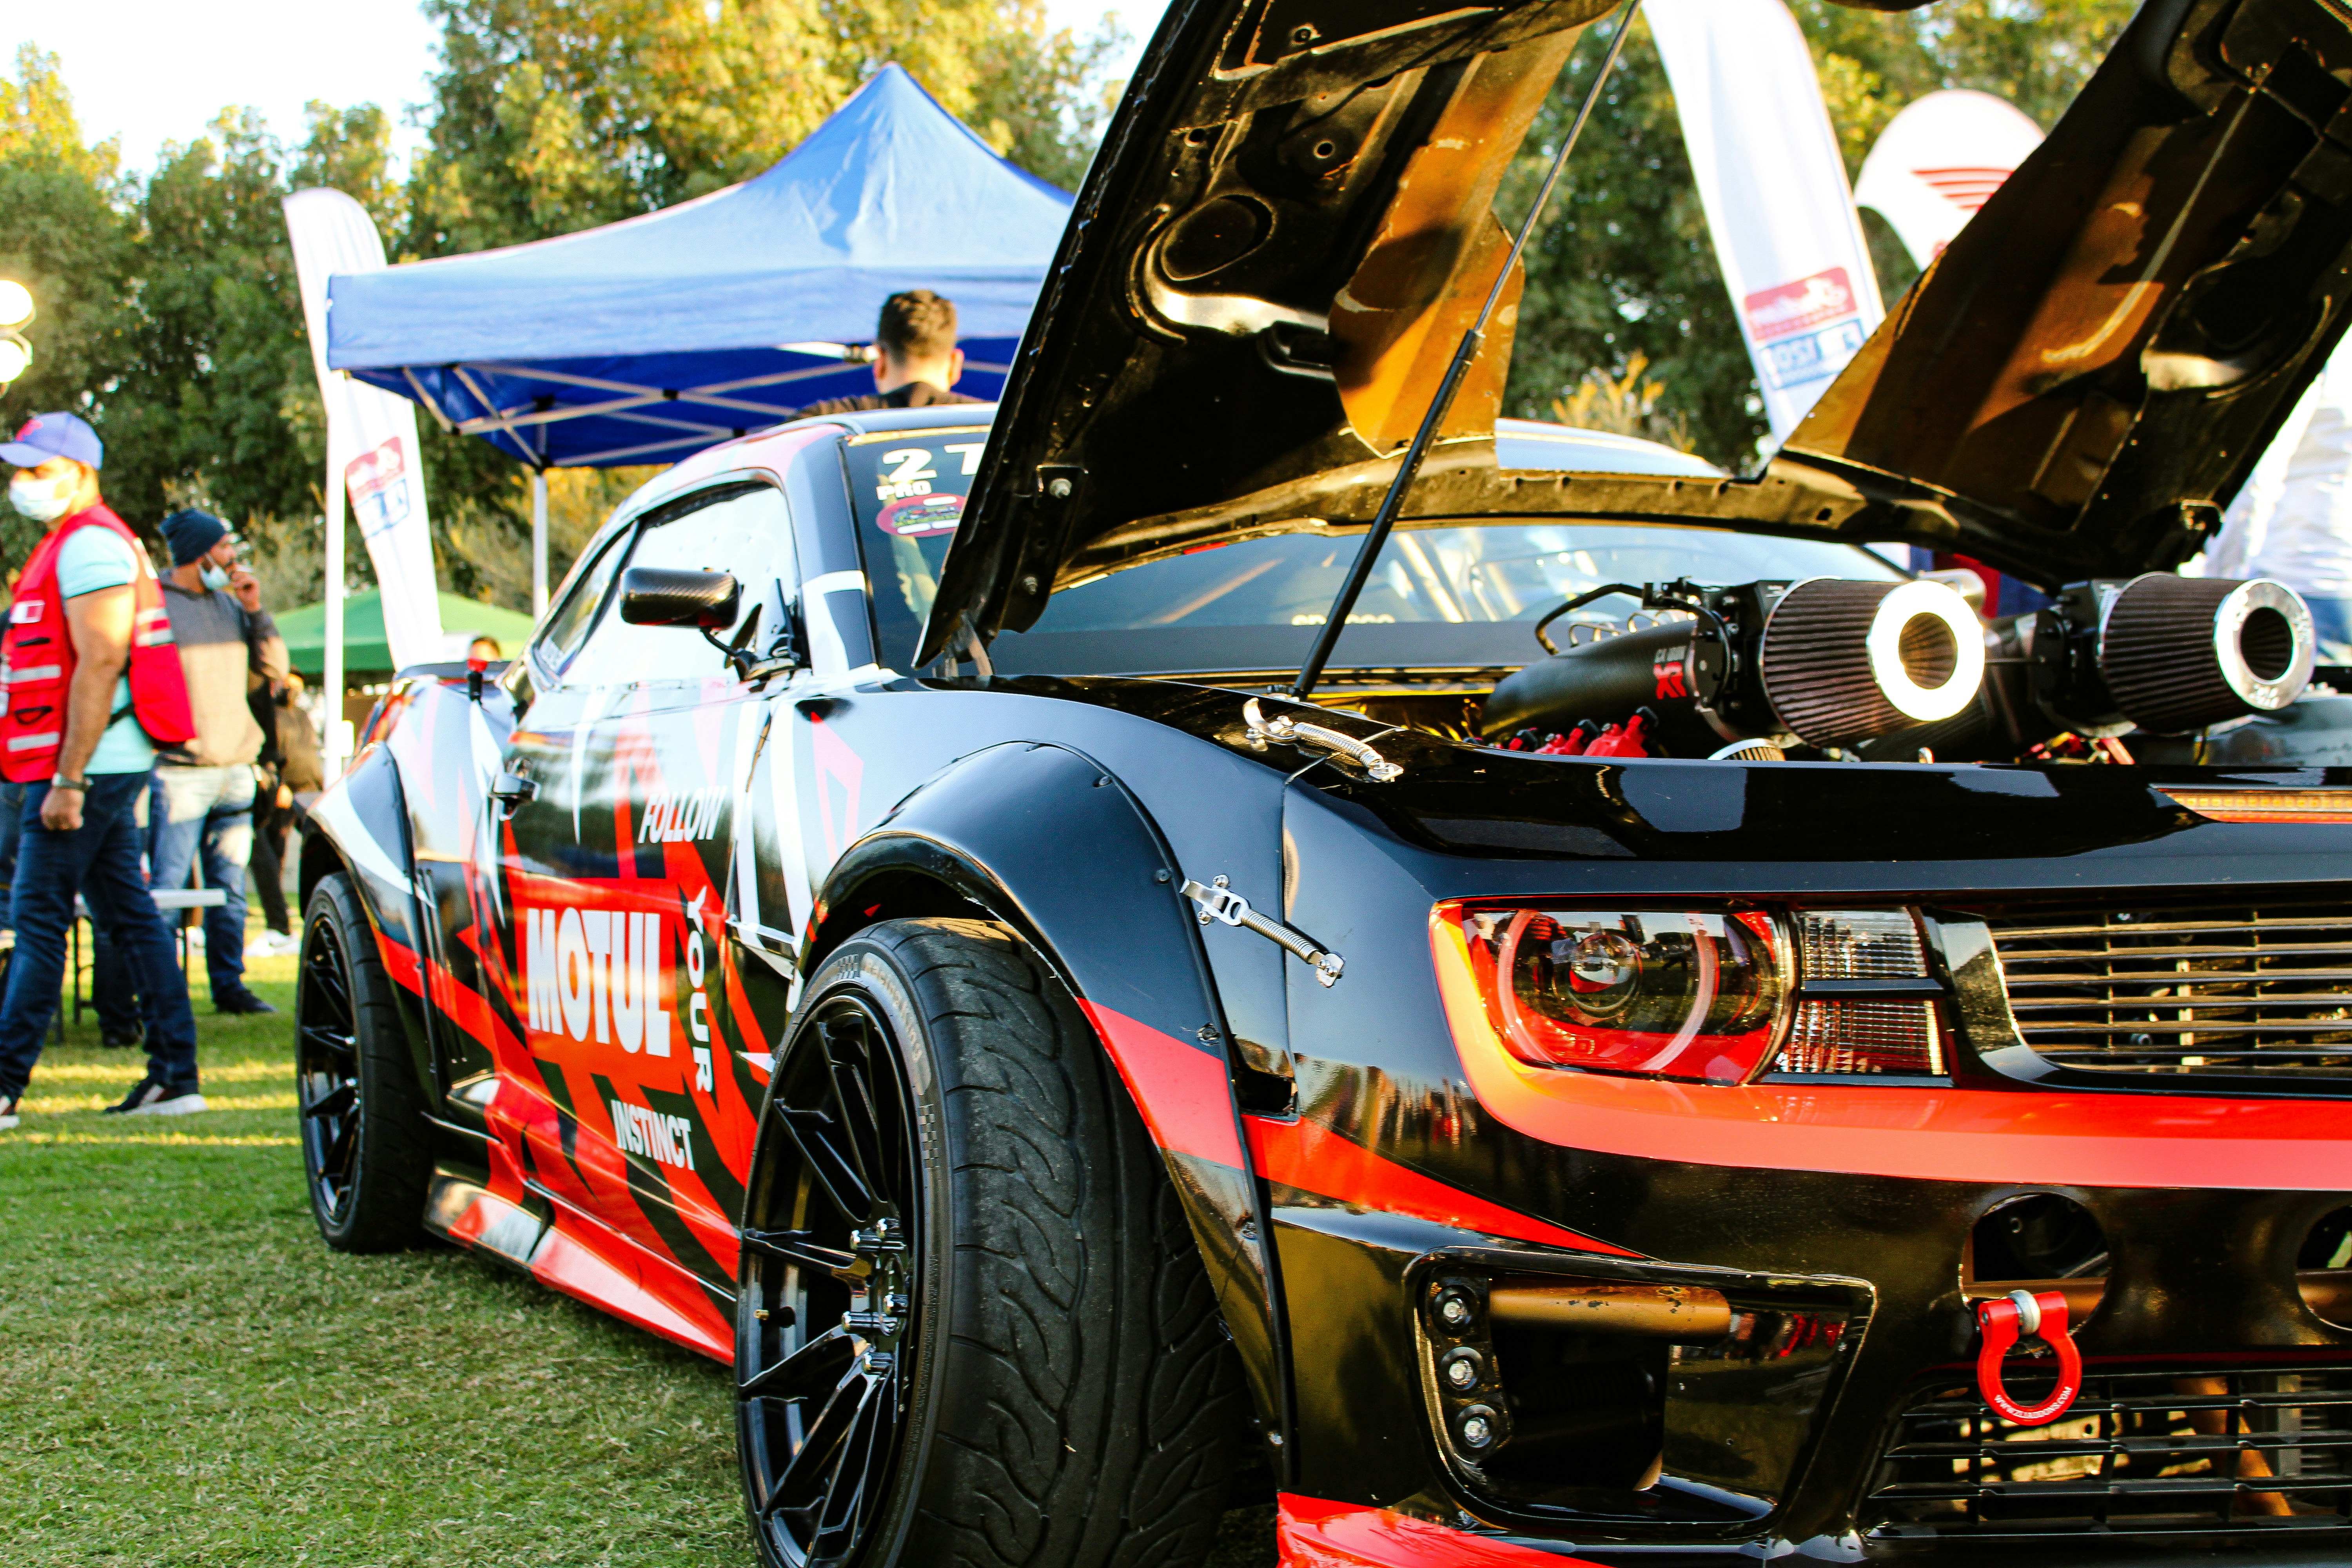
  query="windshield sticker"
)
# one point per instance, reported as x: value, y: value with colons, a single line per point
x: 915, y: 516
x: 909, y: 473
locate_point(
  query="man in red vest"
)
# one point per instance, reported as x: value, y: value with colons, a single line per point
x: 93, y: 685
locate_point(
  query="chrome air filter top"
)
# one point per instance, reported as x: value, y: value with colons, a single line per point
x: 2181, y: 653
x: 1844, y: 661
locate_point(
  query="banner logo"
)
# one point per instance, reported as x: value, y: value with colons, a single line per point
x: 378, y: 481
x: 1807, y: 330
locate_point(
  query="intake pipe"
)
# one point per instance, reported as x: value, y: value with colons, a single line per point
x: 1825, y: 661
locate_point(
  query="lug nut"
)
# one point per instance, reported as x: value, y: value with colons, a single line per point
x: 1476, y: 1426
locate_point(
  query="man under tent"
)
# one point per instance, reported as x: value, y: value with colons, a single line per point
x: 916, y: 361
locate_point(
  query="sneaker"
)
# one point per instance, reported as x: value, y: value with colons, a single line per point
x: 9, y: 1117
x: 152, y: 1099
x: 246, y: 1003
x: 271, y: 944
x: 129, y: 1039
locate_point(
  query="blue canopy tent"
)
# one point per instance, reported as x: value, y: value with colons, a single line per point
x: 647, y: 340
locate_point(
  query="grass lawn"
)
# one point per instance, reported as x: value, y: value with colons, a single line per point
x: 187, y: 1375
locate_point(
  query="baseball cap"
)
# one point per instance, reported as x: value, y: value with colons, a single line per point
x: 47, y: 436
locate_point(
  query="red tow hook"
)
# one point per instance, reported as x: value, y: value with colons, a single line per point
x: 2023, y: 1315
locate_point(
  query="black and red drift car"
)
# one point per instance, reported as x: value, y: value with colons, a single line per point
x: 1689, y: 1044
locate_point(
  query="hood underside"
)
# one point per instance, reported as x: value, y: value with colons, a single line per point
x: 1290, y: 225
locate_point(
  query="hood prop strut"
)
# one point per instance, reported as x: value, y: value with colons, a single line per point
x: 1368, y: 554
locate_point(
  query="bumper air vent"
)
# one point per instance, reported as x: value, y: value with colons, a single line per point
x: 2169, y: 1452
x: 2262, y: 990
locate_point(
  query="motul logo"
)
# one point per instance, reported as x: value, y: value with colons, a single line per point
x: 597, y: 975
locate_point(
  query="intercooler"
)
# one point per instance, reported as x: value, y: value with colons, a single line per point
x: 2259, y: 988
x: 2193, y: 1450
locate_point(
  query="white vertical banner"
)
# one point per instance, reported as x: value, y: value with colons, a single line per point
x: 1940, y: 160
x: 1773, y: 184
x: 372, y: 433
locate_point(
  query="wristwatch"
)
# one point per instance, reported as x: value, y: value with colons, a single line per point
x: 59, y: 780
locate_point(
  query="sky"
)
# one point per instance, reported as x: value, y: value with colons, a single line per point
x: 153, y: 71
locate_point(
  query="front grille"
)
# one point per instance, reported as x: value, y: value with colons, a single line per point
x: 2142, y: 1453
x: 2262, y: 990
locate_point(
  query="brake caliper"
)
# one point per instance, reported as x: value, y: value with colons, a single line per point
x: 2023, y: 1315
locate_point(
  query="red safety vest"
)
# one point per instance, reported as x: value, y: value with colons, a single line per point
x: 39, y: 654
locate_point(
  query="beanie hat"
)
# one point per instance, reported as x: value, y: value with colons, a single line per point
x: 192, y: 532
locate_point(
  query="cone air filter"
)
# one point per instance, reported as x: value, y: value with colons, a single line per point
x: 1842, y: 661
x: 2181, y: 653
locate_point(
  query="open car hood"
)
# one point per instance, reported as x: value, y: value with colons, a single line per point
x: 2083, y: 379
x: 1289, y: 226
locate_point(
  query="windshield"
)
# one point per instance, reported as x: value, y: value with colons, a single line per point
x: 1459, y: 594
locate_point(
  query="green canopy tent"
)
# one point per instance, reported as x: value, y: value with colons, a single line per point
x: 364, y: 649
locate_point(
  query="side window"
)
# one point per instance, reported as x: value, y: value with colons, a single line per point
x: 564, y: 628
x: 740, y: 529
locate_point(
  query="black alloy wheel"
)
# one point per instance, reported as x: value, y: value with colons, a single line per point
x: 364, y: 1127
x: 971, y: 1326
x: 822, y: 1408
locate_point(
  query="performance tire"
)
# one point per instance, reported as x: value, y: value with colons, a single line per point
x: 1032, y: 1370
x: 366, y: 1146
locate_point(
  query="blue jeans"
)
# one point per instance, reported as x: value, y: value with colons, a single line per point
x: 2331, y: 627
x: 209, y: 811
x: 113, y: 989
x: 100, y: 859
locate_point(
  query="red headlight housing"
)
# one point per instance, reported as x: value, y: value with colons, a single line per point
x: 1703, y: 996
x: 1678, y: 994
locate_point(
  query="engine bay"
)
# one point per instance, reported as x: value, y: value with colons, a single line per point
x: 2155, y: 669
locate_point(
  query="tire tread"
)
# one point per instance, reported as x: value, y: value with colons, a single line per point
x: 1094, y: 1416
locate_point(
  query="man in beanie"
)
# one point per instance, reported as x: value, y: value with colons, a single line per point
x: 205, y: 787
x: 93, y: 684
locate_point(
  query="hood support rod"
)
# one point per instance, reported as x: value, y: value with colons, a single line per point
x: 1384, y: 521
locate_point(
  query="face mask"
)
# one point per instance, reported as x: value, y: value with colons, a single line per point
x: 213, y: 577
x: 43, y: 500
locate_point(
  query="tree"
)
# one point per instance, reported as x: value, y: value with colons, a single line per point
x: 556, y: 115
x: 1623, y: 265
x: 552, y: 116
x: 63, y: 235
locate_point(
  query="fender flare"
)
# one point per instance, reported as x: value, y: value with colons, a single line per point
x: 1050, y: 842
x: 360, y: 827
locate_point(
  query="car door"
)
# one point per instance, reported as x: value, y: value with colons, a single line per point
x: 616, y: 881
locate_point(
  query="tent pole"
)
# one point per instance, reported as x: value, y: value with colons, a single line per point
x: 538, y: 544
x: 332, y: 704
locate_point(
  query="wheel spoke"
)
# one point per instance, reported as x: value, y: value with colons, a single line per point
x: 807, y: 1370
x: 849, y: 1502
x: 341, y: 1151
x: 812, y: 1132
x: 810, y: 1472
x: 335, y: 1102
x: 325, y: 970
x: 797, y: 1247
x: 846, y: 1047
x: 334, y: 1038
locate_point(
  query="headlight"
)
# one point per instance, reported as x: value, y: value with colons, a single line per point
x: 1670, y: 994
x: 1705, y: 996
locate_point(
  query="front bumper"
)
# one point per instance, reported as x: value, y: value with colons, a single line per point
x: 1781, y: 1445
